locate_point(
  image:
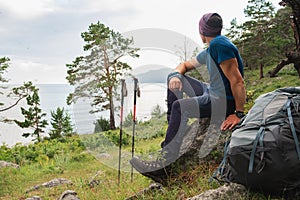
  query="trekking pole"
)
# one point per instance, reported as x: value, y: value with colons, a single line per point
x: 123, y: 94
x: 136, y: 93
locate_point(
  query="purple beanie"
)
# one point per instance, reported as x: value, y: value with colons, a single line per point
x: 208, y: 30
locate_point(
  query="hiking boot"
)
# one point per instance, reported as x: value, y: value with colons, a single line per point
x: 164, y: 157
x: 143, y: 166
x: 156, y: 170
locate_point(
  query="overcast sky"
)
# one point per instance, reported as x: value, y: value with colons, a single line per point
x: 42, y: 36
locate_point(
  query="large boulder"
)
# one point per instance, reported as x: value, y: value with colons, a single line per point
x: 227, y: 191
x: 200, y: 139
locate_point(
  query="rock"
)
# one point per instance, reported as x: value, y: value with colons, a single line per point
x: 94, y: 181
x: 69, y: 195
x: 8, y: 164
x: 34, y: 198
x: 227, y: 191
x: 104, y: 155
x: 154, y: 187
x: 199, y: 140
x: 49, y: 184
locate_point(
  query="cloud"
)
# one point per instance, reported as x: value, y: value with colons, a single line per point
x: 112, y: 6
x: 42, y: 36
x: 36, y: 70
x: 28, y: 9
x: 46, y: 33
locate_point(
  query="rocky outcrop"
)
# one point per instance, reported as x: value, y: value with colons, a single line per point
x: 94, y: 180
x: 225, y: 192
x: 66, y: 195
x: 69, y: 195
x: 8, y: 164
x: 53, y: 183
x: 34, y: 198
x: 201, y: 138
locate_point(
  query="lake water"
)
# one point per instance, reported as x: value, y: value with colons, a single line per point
x: 54, y: 95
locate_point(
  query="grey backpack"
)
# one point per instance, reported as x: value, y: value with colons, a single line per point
x: 263, y: 153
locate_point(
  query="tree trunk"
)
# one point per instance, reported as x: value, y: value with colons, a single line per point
x: 294, y: 55
x: 283, y: 63
x: 111, y: 111
x: 261, y: 75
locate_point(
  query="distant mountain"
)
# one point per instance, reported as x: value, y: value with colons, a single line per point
x: 154, y: 75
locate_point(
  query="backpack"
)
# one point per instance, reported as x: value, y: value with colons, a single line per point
x: 263, y: 153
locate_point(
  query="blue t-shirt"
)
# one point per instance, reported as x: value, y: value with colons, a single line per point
x: 219, y: 50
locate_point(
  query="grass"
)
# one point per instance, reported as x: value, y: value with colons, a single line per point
x: 255, y: 86
x: 79, y: 166
x: 14, y: 183
x: 80, y: 169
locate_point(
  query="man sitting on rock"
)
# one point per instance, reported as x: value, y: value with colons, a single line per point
x: 223, y: 98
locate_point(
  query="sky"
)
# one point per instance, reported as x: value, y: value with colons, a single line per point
x: 42, y: 36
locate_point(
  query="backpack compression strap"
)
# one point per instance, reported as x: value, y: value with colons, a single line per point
x: 289, y: 112
x: 222, y: 165
x: 259, y: 137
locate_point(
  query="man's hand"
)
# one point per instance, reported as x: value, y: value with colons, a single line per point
x: 230, y: 122
x: 175, y: 84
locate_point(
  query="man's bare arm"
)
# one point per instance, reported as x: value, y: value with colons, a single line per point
x: 182, y: 68
x: 186, y: 66
x: 231, y: 71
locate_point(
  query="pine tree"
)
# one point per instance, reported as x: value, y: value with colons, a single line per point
x: 293, y: 55
x: 61, y: 124
x: 3, y: 66
x: 97, y: 74
x: 255, y: 32
x: 18, y: 93
x: 33, y: 117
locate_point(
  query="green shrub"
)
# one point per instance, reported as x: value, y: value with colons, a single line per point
x: 40, y: 152
x: 114, y: 137
x: 6, y: 153
x: 81, y: 157
x: 157, y: 111
x: 101, y: 124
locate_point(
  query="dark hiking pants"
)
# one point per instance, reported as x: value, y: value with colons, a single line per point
x: 180, y: 109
